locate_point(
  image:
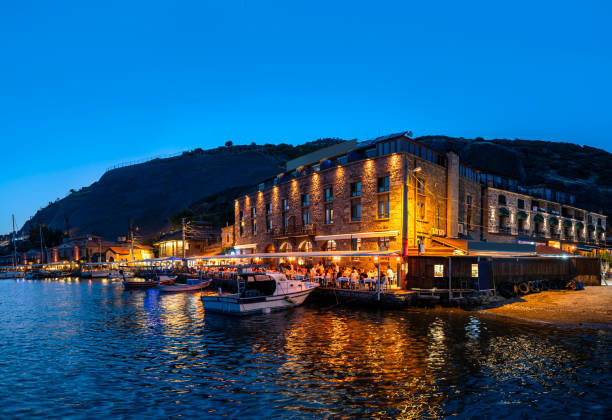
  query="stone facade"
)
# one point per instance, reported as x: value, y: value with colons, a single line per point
x: 227, y: 237
x: 395, y: 193
x: 512, y: 216
x: 295, y: 215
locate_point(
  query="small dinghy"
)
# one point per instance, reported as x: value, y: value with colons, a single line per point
x: 190, y: 286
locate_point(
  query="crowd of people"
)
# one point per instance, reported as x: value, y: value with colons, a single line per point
x: 332, y: 275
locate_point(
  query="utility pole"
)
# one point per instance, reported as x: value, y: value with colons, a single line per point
x: 183, y: 232
x: 132, y: 240
x: 14, y: 244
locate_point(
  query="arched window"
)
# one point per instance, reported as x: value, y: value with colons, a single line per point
x: 330, y: 245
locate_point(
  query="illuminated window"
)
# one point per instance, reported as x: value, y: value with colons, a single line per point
x: 285, y: 204
x: 356, y: 210
x: 356, y: 189
x: 420, y: 186
x: 329, y: 214
x: 305, y: 217
x: 356, y: 244
x: 383, y: 243
x: 305, y: 200
x: 383, y: 206
x: 329, y: 194
x: 330, y: 245
x: 474, y: 270
x: 421, y: 210
x: 438, y: 270
x: 383, y: 184
x: 268, y: 208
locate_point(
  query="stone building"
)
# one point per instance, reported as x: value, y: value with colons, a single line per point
x: 519, y: 216
x: 394, y: 193
x: 200, y: 239
x: 391, y: 193
x: 227, y: 237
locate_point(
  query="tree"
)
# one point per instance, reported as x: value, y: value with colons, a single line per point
x: 229, y: 143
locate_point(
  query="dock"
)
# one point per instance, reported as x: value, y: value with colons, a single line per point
x: 393, y: 298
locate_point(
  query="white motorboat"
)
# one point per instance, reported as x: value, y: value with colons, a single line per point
x: 11, y: 274
x: 260, y: 293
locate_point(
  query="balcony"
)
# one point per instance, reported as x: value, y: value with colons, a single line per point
x: 504, y: 230
x: 304, y: 230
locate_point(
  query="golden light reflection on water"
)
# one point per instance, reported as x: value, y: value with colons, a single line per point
x: 308, y: 362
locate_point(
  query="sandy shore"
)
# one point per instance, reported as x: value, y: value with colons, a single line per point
x: 591, y: 307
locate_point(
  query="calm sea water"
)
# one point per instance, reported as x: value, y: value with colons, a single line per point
x: 79, y: 348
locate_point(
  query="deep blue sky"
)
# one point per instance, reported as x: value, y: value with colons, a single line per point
x: 83, y: 87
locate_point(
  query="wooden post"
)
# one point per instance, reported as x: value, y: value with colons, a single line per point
x: 450, y: 279
x: 378, y: 282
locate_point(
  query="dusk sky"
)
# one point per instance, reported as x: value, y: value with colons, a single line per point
x: 84, y: 87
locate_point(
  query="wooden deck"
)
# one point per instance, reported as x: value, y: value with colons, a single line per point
x: 392, y: 298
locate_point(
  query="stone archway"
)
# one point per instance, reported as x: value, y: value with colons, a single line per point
x: 305, y: 246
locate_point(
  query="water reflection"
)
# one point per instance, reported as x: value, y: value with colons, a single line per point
x: 141, y: 353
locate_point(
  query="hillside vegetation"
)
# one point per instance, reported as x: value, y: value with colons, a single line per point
x: 201, y: 184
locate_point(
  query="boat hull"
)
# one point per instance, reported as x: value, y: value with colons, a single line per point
x: 234, y: 305
x: 149, y: 284
x: 177, y: 288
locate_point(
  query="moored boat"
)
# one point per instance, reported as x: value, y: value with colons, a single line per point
x: 11, y: 274
x: 147, y: 284
x: 260, y: 293
x: 190, y: 286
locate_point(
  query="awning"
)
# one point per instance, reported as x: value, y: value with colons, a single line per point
x: 567, y: 223
x: 591, y: 228
x: 580, y: 225
x: 317, y: 254
x: 521, y: 215
x: 538, y: 218
x: 460, y: 244
x: 490, y: 248
x: 389, y: 233
x: 245, y: 246
x: 502, y: 211
x: 553, y: 221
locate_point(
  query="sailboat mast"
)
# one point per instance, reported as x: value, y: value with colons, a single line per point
x: 14, y: 244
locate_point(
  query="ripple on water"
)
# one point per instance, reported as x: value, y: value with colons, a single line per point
x: 88, y: 348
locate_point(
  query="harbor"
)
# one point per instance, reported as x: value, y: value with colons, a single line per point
x: 170, y: 357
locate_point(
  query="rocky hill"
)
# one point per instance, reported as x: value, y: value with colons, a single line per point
x: 583, y: 171
x: 201, y: 184
x: 150, y: 192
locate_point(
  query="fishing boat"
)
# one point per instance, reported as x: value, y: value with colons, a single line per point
x: 148, y: 284
x: 190, y: 286
x: 260, y: 293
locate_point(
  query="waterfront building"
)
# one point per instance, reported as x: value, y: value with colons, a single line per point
x: 391, y: 193
x: 394, y: 193
x: 199, y: 239
x: 227, y: 237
